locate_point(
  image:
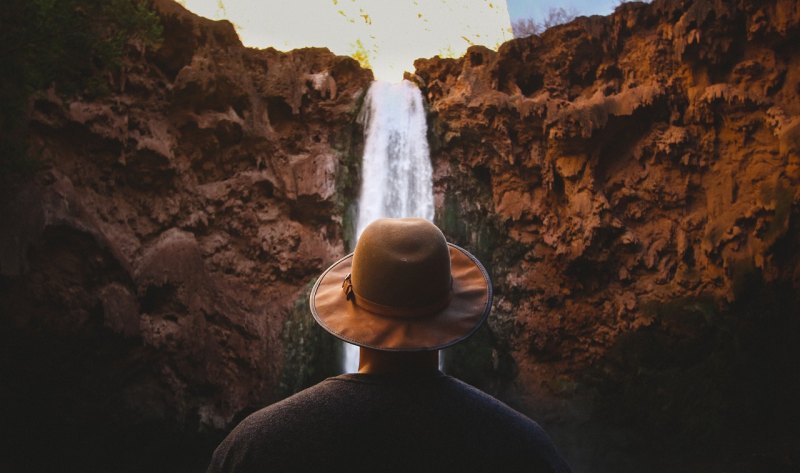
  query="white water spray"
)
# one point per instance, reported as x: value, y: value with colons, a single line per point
x: 396, y: 169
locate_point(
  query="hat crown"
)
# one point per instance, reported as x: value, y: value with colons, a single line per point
x: 403, y: 263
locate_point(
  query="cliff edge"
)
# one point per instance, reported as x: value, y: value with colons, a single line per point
x: 153, y: 274
x: 633, y: 182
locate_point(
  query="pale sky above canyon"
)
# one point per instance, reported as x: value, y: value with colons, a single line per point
x: 389, y: 34
x: 537, y: 9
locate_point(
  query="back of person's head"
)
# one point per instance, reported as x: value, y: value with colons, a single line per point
x: 404, y: 288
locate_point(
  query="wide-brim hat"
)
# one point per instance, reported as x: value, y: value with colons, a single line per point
x: 404, y: 288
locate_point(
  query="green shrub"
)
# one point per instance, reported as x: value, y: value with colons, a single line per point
x: 72, y: 45
x: 310, y: 354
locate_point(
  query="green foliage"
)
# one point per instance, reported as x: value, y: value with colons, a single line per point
x: 72, y: 45
x: 348, y: 177
x: 361, y: 54
x: 482, y: 361
x: 310, y: 354
x: 67, y: 42
x: 478, y: 232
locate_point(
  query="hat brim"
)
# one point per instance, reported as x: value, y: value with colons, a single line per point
x: 467, y: 310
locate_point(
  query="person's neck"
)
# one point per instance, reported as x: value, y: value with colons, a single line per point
x: 397, y: 363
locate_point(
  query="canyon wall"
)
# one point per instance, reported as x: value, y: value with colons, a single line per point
x: 154, y: 273
x: 632, y: 182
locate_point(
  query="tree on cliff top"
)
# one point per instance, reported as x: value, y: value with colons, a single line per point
x: 555, y: 16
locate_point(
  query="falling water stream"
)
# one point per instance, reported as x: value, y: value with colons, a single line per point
x: 396, y: 169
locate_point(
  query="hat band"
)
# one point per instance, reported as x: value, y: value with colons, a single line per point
x: 393, y: 311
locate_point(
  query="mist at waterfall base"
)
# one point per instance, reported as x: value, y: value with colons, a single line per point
x: 396, y: 173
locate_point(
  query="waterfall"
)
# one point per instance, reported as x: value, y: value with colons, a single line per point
x: 396, y: 168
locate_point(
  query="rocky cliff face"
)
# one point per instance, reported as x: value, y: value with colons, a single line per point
x: 633, y: 183
x: 151, y: 272
x: 630, y: 181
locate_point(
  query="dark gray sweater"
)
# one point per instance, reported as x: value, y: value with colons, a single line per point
x: 360, y: 422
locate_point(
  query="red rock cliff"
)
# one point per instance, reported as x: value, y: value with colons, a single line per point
x: 633, y: 183
x: 151, y: 272
x: 630, y: 181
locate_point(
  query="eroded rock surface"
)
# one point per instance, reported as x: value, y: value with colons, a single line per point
x: 633, y: 181
x: 630, y: 181
x: 149, y: 272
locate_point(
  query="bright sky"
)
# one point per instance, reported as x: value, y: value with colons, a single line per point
x: 389, y: 33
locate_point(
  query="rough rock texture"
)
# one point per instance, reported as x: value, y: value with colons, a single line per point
x: 633, y: 181
x: 149, y: 276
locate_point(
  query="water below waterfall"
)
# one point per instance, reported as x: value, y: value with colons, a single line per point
x: 396, y: 169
